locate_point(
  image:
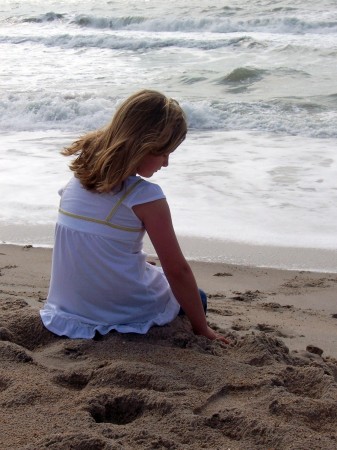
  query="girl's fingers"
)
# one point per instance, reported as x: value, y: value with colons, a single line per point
x: 221, y: 338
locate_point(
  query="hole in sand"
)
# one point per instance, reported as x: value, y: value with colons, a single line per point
x: 120, y: 410
x: 72, y: 380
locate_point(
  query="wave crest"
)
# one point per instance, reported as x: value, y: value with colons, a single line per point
x: 242, y: 75
x: 114, y: 23
x: 47, y: 17
x: 72, y: 112
x: 267, y: 24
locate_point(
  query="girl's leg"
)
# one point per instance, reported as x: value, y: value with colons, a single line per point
x: 203, y: 298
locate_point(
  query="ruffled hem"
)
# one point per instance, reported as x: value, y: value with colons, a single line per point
x: 64, y: 324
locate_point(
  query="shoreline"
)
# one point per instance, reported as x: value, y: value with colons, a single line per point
x: 203, y: 249
x: 274, y: 386
x: 255, y: 255
x: 307, y: 295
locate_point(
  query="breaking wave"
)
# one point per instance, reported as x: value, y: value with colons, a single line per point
x: 293, y: 116
x: 267, y: 24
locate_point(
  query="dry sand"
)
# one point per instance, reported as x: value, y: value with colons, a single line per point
x: 274, y: 387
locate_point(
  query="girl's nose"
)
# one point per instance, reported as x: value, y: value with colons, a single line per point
x: 166, y: 161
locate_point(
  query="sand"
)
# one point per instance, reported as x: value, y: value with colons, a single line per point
x: 274, y: 387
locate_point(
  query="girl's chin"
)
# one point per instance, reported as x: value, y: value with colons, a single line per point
x: 145, y: 175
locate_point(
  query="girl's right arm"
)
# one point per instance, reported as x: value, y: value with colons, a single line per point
x: 156, y: 218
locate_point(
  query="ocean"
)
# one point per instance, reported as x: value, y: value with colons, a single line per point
x: 256, y: 175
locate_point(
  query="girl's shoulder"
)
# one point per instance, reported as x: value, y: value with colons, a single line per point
x: 73, y: 184
x: 141, y: 191
x: 135, y: 190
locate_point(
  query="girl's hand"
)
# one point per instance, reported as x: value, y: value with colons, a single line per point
x: 213, y: 336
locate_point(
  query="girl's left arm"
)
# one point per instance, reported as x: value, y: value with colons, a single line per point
x: 156, y: 218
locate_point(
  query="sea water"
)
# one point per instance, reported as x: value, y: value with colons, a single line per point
x: 257, y: 80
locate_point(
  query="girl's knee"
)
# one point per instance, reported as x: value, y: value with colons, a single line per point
x: 203, y: 297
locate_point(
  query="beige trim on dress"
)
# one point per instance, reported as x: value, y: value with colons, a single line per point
x: 110, y: 215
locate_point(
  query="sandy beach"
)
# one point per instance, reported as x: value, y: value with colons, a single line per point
x: 273, y: 387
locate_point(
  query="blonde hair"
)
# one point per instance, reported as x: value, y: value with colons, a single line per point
x: 146, y: 123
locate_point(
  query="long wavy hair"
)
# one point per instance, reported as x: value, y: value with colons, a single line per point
x: 147, y: 122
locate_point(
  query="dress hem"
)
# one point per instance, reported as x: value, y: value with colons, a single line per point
x: 76, y: 329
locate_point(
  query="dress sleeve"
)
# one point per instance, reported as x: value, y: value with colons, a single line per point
x: 143, y: 193
x: 60, y: 191
x: 63, y: 188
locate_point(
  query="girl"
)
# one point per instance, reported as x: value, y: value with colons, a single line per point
x: 100, y: 280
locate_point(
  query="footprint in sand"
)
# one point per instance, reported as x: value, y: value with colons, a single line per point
x: 247, y: 296
x: 73, y: 380
x: 124, y: 409
x: 309, y: 382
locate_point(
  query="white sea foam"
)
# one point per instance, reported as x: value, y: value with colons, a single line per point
x: 257, y: 82
x: 253, y: 187
x: 246, y: 187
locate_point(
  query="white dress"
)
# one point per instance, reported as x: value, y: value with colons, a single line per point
x: 100, y: 279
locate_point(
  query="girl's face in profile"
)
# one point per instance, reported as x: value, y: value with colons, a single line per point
x: 151, y: 164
